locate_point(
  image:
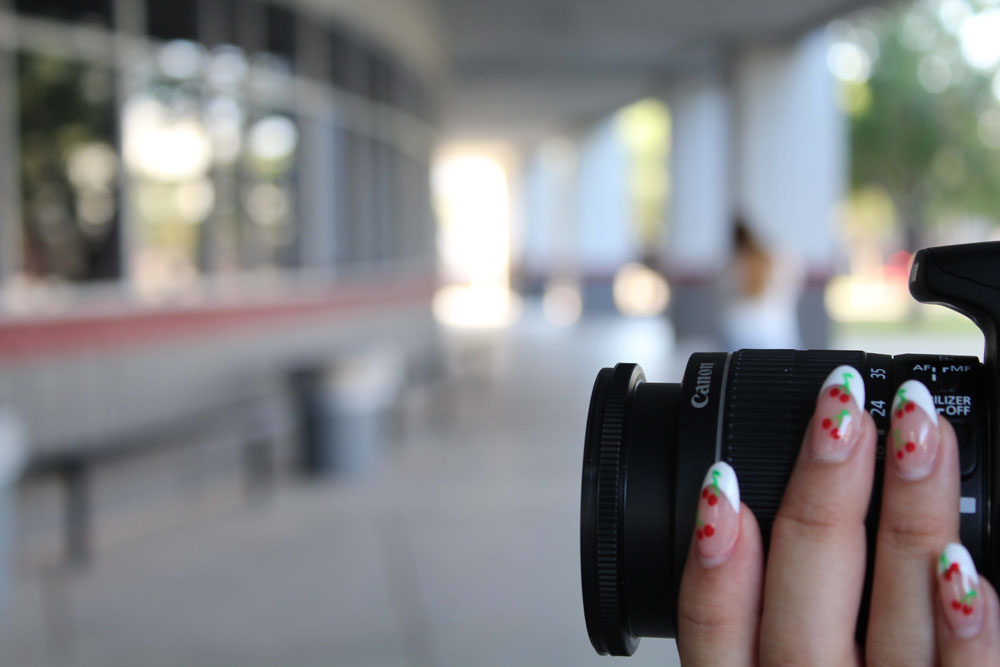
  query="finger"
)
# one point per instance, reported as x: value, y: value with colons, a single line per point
x: 816, y: 563
x: 719, y: 605
x: 920, y: 512
x: 968, y: 614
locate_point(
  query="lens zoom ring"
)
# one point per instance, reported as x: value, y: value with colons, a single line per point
x: 769, y: 400
x: 609, y: 575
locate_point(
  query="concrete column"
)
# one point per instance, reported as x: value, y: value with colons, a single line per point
x: 548, y: 232
x: 606, y: 238
x: 318, y: 157
x: 792, y: 160
x: 699, y: 218
x: 317, y: 197
x: 10, y: 182
x: 129, y: 18
x: 573, y: 217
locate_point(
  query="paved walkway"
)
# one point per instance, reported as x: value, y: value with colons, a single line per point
x: 461, y: 550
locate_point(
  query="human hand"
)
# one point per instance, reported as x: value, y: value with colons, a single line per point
x: 928, y: 606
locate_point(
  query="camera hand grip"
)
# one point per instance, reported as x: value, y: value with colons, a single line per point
x: 966, y: 278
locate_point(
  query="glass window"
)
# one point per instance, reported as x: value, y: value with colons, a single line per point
x: 172, y: 19
x: 268, y: 197
x: 69, y: 169
x: 81, y: 11
x: 281, y: 34
x: 169, y: 151
x: 217, y: 22
x: 342, y: 50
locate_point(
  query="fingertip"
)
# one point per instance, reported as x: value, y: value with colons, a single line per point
x: 750, y: 529
x: 719, y: 604
x: 960, y: 644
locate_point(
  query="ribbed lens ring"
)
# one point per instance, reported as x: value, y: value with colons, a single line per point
x: 608, y: 505
x: 607, y: 454
x: 769, y: 398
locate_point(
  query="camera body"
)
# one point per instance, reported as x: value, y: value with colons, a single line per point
x: 648, y: 445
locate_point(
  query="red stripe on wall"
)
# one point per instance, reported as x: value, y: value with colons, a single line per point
x: 34, y: 338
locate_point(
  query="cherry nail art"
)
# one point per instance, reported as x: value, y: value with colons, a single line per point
x: 839, y: 409
x: 958, y: 583
x: 913, y: 441
x: 718, y: 520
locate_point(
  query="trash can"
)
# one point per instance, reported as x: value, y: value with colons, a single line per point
x: 344, y: 411
x: 13, y: 453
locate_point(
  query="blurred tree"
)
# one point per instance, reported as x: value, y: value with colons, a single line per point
x: 925, y: 125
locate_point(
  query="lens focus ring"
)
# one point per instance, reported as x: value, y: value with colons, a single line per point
x: 609, y: 501
x: 607, y: 455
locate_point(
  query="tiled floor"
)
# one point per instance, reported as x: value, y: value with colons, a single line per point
x: 461, y: 550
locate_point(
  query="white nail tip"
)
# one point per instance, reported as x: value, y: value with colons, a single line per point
x: 726, y: 482
x: 847, y: 375
x: 915, y: 392
x: 956, y: 553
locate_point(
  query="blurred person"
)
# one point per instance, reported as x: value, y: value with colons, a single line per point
x: 760, y: 295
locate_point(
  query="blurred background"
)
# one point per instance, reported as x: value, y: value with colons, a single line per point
x: 301, y: 300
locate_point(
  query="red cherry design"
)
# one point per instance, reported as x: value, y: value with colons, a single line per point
x: 844, y: 398
x: 955, y: 604
x: 899, y: 455
x: 709, y: 530
x: 827, y: 423
x: 700, y: 534
x: 910, y: 407
x: 834, y: 434
x: 953, y: 568
x: 899, y: 414
x: 967, y: 610
x: 835, y: 391
x: 947, y: 575
x: 712, y: 500
x: 910, y: 447
x: 704, y: 493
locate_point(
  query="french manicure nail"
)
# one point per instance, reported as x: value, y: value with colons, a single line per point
x: 913, y: 439
x: 960, y: 592
x: 718, y: 520
x: 839, y: 410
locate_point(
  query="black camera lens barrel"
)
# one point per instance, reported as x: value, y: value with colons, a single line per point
x: 627, y: 436
x: 648, y: 446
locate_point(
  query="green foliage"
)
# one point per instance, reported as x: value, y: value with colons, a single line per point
x: 924, y: 148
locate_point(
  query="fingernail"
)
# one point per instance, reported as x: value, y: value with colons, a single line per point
x: 837, y: 420
x: 913, y: 440
x: 960, y: 592
x: 718, y: 520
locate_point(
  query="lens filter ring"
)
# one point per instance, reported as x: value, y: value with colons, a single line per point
x: 602, y: 511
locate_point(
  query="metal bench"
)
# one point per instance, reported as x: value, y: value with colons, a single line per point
x: 73, y: 464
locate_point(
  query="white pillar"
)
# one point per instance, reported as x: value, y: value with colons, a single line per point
x: 792, y: 161
x: 792, y: 146
x: 606, y: 238
x: 574, y: 213
x: 548, y: 213
x: 318, y: 157
x: 699, y: 220
x: 318, y: 204
x: 10, y: 181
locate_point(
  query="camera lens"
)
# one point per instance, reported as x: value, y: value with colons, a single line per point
x: 648, y: 446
